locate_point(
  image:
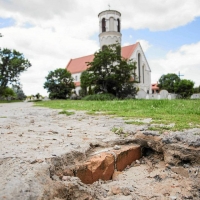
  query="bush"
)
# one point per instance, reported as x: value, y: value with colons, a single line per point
x: 100, y: 97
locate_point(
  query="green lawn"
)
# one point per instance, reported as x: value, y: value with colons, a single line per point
x: 183, y: 113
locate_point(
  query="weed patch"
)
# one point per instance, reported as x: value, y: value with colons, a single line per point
x: 65, y: 112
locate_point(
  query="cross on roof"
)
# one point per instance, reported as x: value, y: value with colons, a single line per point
x: 180, y: 75
x: 109, y: 6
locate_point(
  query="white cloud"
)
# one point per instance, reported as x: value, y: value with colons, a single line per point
x: 145, y: 45
x: 60, y: 30
x: 185, y: 60
x: 126, y: 44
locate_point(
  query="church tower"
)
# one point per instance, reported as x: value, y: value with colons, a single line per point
x: 109, y: 27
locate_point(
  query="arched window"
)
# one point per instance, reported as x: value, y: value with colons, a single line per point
x: 103, y: 25
x: 143, y: 67
x: 118, y: 25
x: 104, y: 47
x: 111, y: 24
x: 139, y: 67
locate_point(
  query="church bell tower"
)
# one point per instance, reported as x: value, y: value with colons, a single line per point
x: 109, y: 27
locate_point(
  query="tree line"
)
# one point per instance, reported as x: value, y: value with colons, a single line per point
x: 12, y: 64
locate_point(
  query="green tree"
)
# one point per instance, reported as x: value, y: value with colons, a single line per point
x: 86, y: 82
x: 185, y: 88
x: 38, y: 95
x: 109, y: 72
x: 19, y: 92
x: 59, y: 83
x: 7, y: 92
x: 12, y: 64
x: 168, y: 81
x: 197, y: 89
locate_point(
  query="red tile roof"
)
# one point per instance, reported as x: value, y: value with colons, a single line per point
x: 154, y: 86
x: 77, y: 84
x: 78, y: 65
x: 127, y: 51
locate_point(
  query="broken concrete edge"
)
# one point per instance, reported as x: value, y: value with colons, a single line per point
x: 175, y: 154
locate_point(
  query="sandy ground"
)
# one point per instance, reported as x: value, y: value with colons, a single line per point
x: 30, y: 135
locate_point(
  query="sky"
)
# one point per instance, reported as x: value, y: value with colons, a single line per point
x: 50, y: 32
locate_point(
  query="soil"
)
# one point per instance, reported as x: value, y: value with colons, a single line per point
x: 37, y: 145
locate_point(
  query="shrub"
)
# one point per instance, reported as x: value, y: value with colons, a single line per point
x: 100, y: 97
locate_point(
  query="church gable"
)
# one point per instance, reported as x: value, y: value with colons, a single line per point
x: 138, y: 50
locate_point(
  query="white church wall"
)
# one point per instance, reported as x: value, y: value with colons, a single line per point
x: 145, y: 72
x: 76, y: 77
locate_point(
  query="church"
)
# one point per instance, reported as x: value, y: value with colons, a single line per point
x: 110, y: 33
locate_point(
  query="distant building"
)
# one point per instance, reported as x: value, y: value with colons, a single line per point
x: 155, y: 88
x: 110, y: 33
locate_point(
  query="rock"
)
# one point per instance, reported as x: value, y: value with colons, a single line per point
x: 68, y: 172
x: 115, y: 175
x: 116, y: 147
x: 137, y: 161
x: 33, y: 161
x: 115, y: 190
x: 76, y: 146
x: 65, y: 178
x: 172, y: 197
x: 69, y: 135
x: 126, y: 191
x: 39, y: 160
x: 181, y: 170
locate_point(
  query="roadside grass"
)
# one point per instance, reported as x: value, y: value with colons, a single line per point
x: 65, y: 112
x: 11, y: 101
x: 183, y: 114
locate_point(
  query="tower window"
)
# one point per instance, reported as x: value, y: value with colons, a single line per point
x: 118, y: 25
x: 103, y: 25
x: 104, y: 47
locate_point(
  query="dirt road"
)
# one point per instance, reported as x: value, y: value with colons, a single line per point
x: 35, y: 142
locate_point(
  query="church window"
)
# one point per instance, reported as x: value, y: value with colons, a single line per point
x: 103, y: 25
x: 118, y: 25
x: 76, y: 78
x: 139, y: 59
x: 143, y: 73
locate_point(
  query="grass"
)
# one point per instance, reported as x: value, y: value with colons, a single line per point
x: 11, y: 101
x: 184, y: 114
x: 65, y: 112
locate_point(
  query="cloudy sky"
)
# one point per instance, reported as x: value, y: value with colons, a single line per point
x: 50, y: 32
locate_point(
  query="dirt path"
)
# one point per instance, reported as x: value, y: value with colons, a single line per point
x: 35, y: 142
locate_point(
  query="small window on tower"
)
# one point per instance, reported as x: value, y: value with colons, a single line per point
x: 118, y: 25
x: 103, y: 25
x: 76, y: 78
x: 104, y: 47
